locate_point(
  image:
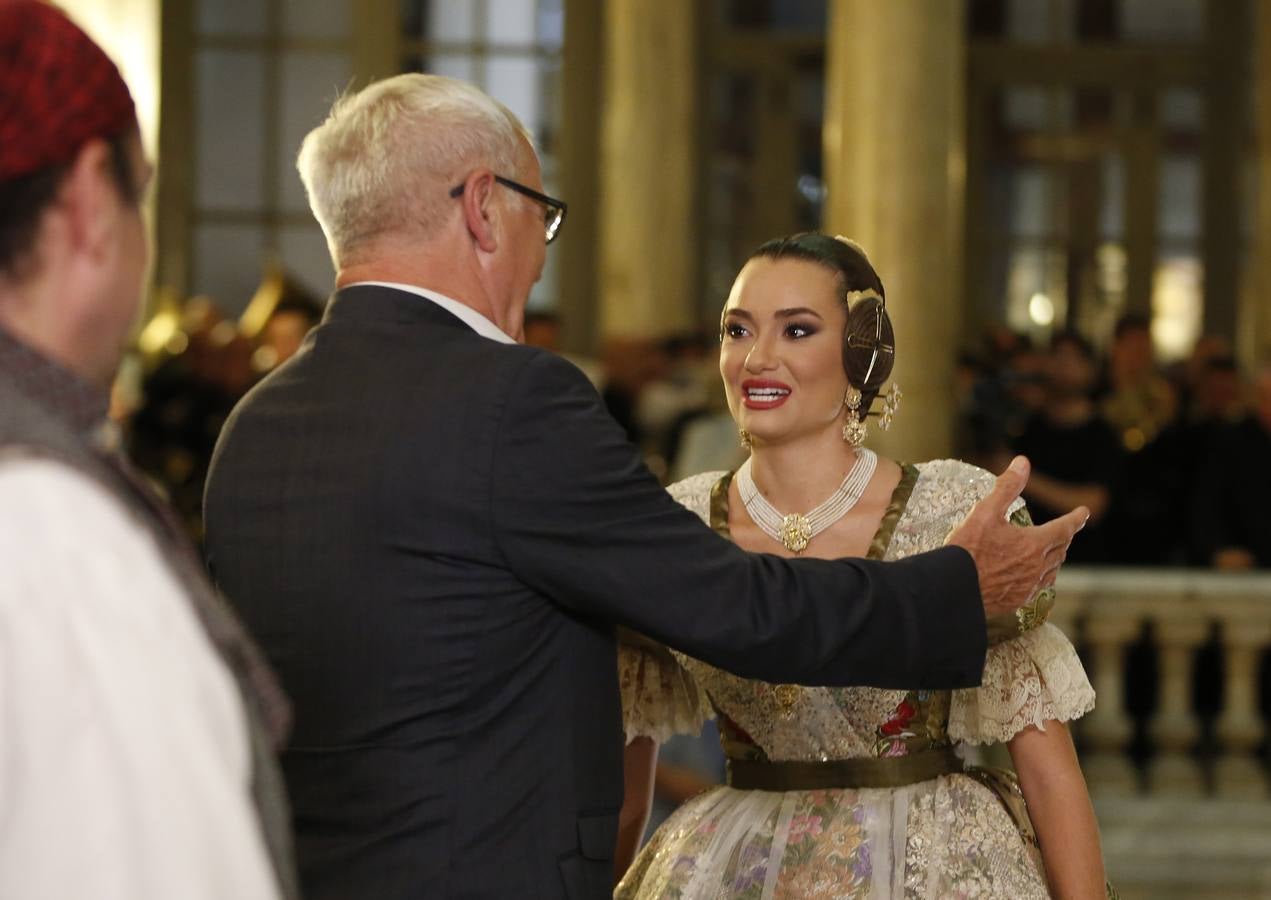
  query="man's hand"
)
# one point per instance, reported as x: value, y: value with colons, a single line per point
x: 1014, y: 563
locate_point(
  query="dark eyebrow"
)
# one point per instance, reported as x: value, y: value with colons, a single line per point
x: 797, y: 311
x: 781, y: 313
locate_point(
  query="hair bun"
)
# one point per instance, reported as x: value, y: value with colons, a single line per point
x: 869, y: 344
x: 844, y: 239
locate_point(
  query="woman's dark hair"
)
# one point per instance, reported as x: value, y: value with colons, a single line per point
x: 23, y: 201
x: 868, y: 325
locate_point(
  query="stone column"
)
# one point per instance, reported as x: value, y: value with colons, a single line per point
x: 582, y: 95
x: 1254, y: 332
x: 648, y: 192
x: 376, y: 40
x: 895, y: 169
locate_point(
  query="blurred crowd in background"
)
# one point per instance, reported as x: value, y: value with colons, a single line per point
x: 1171, y: 459
x: 191, y: 367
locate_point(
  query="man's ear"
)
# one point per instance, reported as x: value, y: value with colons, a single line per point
x: 90, y: 201
x: 479, y: 210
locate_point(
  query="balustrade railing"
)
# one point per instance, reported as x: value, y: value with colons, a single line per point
x: 1105, y: 611
x: 1191, y: 818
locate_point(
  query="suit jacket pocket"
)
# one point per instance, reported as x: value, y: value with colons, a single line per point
x: 587, y: 873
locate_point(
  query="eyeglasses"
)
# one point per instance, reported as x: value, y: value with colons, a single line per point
x: 553, y: 214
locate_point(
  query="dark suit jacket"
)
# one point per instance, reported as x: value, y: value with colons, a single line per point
x: 433, y: 534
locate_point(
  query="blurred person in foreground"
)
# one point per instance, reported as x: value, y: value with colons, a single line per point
x: 853, y: 792
x: 137, y: 723
x: 434, y: 529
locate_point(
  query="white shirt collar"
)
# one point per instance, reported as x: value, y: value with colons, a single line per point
x: 470, y: 317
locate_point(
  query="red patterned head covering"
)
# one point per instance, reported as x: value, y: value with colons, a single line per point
x: 58, y: 89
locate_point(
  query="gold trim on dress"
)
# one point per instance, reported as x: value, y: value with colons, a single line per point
x: 719, y: 506
x: 895, y: 509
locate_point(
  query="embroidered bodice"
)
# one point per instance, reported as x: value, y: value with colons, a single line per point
x: 1029, y: 678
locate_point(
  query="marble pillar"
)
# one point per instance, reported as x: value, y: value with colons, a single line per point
x: 648, y: 192
x: 1253, y: 336
x: 895, y: 170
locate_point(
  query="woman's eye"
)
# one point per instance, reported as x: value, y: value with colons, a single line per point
x: 799, y: 330
x: 734, y: 330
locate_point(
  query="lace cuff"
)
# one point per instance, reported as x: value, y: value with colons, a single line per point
x: 1027, y: 681
x: 659, y: 697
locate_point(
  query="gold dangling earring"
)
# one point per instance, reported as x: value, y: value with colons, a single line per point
x: 854, y: 429
x: 744, y: 435
x: 891, y: 403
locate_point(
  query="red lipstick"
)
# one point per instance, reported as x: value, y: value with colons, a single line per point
x: 764, y: 393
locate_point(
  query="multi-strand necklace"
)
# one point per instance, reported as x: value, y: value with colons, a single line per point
x: 795, y: 530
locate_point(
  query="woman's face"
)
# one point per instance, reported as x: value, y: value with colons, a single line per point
x: 782, y: 353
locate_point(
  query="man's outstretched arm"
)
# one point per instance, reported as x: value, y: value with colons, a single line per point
x: 579, y: 518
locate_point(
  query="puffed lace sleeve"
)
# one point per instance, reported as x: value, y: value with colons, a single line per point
x: 1031, y: 672
x: 1028, y: 680
x: 659, y: 696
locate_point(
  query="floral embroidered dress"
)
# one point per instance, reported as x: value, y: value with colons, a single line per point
x: 912, y: 823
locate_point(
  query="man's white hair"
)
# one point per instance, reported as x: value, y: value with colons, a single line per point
x: 387, y: 156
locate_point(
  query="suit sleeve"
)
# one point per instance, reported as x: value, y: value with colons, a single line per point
x: 580, y: 519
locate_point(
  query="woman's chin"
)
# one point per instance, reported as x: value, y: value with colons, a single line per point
x: 764, y: 434
x: 768, y: 437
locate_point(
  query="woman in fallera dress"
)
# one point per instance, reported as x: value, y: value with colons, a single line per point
x: 857, y: 792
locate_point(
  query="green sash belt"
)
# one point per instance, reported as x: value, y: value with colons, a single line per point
x: 865, y: 772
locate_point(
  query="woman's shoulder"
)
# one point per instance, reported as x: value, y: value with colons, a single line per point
x: 694, y: 492
x: 954, y: 486
x: 956, y: 474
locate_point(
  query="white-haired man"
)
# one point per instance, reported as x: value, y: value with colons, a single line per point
x: 433, y: 530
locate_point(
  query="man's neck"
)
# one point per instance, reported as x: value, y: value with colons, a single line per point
x: 442, y: 269
x: 30, y: 315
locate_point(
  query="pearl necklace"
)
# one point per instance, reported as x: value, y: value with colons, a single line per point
x: 795, y: 530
